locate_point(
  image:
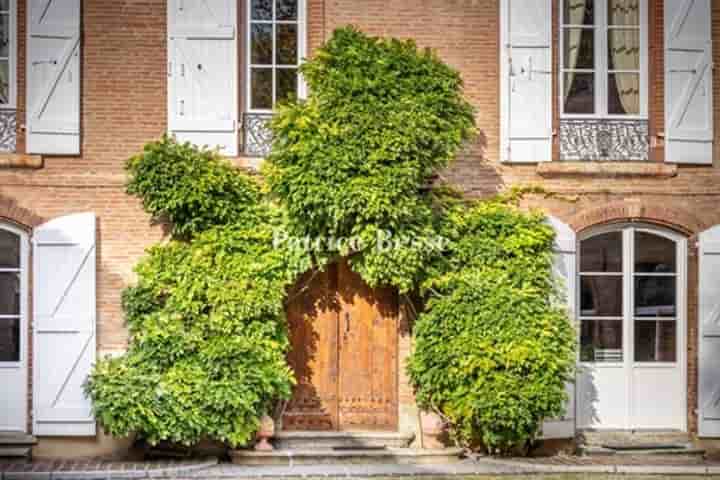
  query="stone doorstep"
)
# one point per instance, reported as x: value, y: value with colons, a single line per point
x: 15, y: 439
x: 301, y: 440
x: 403, y: 456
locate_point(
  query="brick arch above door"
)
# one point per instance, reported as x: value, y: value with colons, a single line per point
x: 12, y: 212
x: 678, y: 219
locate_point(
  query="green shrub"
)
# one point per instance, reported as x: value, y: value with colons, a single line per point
x: 382, y: 117
x: 208, y: 333
x: 494, y: 346
x: 190, y: 188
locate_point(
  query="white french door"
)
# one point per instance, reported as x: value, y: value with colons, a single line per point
x: 632, y: 329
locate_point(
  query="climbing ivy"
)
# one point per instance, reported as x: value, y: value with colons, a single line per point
x: 349, y: 176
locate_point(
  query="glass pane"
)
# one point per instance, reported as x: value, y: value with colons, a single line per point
x: 655, y: 341
x: 9, y: 339
x: 9, y: 293
x: 579, y: 48
x: 261, y: 89
x: 286, y: 9
x: 261, y: 44
x: 579, y: 12
x: 654, y: 254
x: 579, y: 93
x: 4, y: 5
x: 602, y: 253
x: 601, y: 341
x: 624, y: 94
x: 261, y: 10
x: 4, y: 81
x: 4, y: 36
x: 624, y: 12
x: 601, y: 296
x: 624, y: 49
x: 287, y: 53
x: 655, y: 296
x: 9, y: 250
x: 286, y: 84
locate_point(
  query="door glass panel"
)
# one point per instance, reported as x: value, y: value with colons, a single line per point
x: 9, y: 339
x: 624, y: 12
x: 262, y: 88
x: 655, y: 341
x: 579, y: 12
x: 579, y: 48
x: 602, y: 253
x: 4, y: 35
x: 654, y: 254
x: 286, y: 84
x: 262, y: 44
x: 601, y: 296
x: 9, y: 250
x: 9, y: 293
x: 601, y: 341
x: 624, y: 94
x: 579, y: 93
x: 287, y: 52
x: 286, y: 10
x: 655, y: 296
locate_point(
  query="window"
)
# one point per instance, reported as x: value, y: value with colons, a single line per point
x: 604, y: 58
x: 275, y: 47
x: 11, y: 295
x: 629, y: 290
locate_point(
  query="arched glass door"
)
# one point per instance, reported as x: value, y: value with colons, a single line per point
x: 632, y: 329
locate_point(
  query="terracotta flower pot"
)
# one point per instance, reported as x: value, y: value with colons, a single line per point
x: 266, y: 432
x: 433, y: 427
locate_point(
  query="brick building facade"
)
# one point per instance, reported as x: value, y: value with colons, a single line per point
x: 123, y: 105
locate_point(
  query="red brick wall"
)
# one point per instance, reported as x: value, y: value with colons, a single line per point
x: 124, y: 106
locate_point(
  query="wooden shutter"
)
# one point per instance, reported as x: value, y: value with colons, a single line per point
x: 688, y: 82
x: 709, y: 349
x: 526, y: 80
x: 203, y: 73
x: 64, y: 324
x: 565, y: 270
x: 53, y: 77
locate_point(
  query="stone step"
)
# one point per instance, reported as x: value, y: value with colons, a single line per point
x: 329, y: 440
x: 648, y: 450
x: 316, y: 456
x: 15, y: 453
x: 12, y: 439
x: 633, y: 438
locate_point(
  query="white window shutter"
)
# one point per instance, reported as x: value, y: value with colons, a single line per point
x: 709, y: 349
x: 64, y: 324
x: 526, y: 81
x: 203, y: 73
x: 53, y: 77
x: 688, y: 82
x: 564, y: 269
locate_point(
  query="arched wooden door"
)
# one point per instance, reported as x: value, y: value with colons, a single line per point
x: 344, y: 338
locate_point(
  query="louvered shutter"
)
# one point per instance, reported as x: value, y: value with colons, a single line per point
x: 564, y: 269
x: 53, y: 77
x: 64, y: 324
x: 526, y: 81
x: 688, y: 82
x: 709, y: 317
x: 203, y: 73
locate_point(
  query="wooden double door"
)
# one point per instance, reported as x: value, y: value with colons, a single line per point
x: 344, y: 338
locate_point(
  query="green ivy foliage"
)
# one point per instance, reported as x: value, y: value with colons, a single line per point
x: 494, y: 346
x: 382, y: 117
x: 208, y: 333
x: 189, y: 188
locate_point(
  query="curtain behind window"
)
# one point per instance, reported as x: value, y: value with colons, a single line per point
x: 624, y: 45
x: 576, y: 11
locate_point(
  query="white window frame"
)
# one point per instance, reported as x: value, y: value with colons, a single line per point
x: 601, y: 63
x: 12, y: 57
x: 301, y: 47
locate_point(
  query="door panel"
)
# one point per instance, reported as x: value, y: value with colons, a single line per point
x: 344, y: 353
x: 312, y: 319
x: 368, y: 355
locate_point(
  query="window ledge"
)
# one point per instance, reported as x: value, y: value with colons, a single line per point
x: 607, y: 169
x: 20, y: 160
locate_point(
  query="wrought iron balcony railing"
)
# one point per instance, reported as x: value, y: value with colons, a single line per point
x: 8, y: 130
x: 257, y: 138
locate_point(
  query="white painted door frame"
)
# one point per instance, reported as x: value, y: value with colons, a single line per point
x: 615, y: 389
x: 14, y: 375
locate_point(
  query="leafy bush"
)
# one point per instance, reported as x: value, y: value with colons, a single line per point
x: 206, y: 317
x: 494, y: 346
x: 192, y: 189
x: 382, y: 117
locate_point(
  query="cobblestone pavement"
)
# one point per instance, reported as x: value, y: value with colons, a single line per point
x: 96, y: 469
